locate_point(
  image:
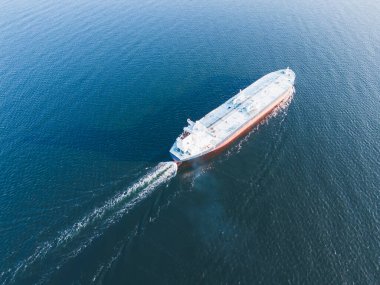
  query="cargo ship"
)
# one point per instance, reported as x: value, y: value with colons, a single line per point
x: 219, y: 128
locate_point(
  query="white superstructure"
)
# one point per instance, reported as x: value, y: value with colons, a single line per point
x: 223, y: 124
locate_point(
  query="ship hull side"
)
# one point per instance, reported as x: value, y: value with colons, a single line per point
x: 238, y: 134
x: 176, y: 159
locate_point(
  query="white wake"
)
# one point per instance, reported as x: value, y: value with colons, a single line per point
x: 79, y: 235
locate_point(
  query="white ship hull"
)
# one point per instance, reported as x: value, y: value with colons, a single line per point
x: 219, y: 128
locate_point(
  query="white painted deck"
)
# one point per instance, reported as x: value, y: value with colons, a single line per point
x: 217, y: 126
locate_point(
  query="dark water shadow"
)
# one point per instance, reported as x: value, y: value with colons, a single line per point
x: 151, y: 137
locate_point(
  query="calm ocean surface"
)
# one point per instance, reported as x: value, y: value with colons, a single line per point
x: 93, y: 94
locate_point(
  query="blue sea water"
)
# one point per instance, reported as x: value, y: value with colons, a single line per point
x: 93, y: 94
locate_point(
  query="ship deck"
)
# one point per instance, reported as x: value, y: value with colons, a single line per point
x: 228, y: 118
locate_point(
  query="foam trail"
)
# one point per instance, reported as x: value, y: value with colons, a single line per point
x: 163, y: 172
x: 96, y: 221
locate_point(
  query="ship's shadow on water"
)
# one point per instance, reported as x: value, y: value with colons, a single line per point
x: 151, y: 137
